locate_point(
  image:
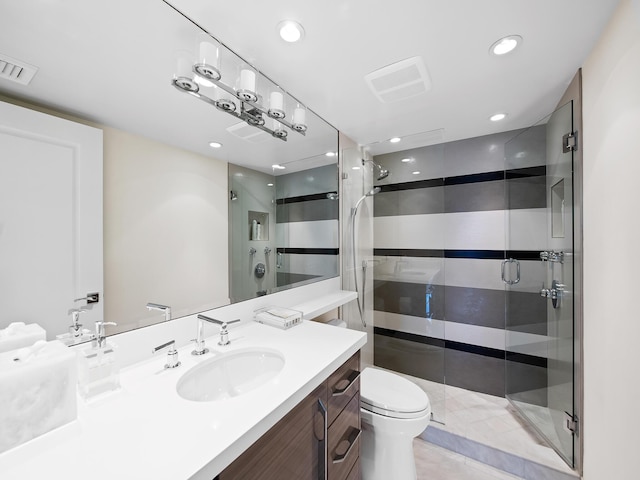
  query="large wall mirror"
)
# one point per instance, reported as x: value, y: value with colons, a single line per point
x: 167, y: 192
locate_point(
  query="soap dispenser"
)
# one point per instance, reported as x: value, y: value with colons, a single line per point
x: 98, y: 370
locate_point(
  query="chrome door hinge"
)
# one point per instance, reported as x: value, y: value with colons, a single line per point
x: 570, y: 142
x: 571, y: 423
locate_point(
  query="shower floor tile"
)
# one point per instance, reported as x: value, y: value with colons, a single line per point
x: 433, y: 462
x: 488, y: 420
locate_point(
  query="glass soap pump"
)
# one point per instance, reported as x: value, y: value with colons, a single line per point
x: 98, y: 369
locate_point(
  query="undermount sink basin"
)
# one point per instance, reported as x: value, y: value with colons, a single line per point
x: 228, y: 375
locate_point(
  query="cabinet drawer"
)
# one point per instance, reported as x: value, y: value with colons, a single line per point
x: 354, y: 474
x: 344, y: 441
x: 342, y: 385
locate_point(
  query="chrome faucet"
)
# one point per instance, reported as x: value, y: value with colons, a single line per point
x: 163, y: 308
x: 224, y: 333
x: 172, y: 354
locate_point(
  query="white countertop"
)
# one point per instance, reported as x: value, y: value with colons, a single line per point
x: 145, y: 430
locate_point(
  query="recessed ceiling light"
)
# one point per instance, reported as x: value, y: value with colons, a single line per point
x: 355, y: 168
x: 269, y: 184
x: 406, y: 160
x: 497, y: 117
x: 215, y: 144
x: 330, y: 154
x: 278, y: 167
x: 290, y: 31
x: 416, y: 173
x: 505, y: 45
x: 395, y: 139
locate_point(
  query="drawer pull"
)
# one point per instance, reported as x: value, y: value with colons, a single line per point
x: 323, y: 446
x: 344, y: 447
x: 341, y: 386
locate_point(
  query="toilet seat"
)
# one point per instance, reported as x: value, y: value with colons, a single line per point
x: 391, y: 395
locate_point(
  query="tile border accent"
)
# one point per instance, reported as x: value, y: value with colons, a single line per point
x: 463, y: 347
x: 471, y: 178
x: 505, y: 461
x: 303, y: 198
x: 476, y: 254
x: 308, y: 251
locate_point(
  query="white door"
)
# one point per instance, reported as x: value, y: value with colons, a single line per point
x: 50, y: 219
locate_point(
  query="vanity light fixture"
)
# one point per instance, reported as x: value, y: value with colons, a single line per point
x: 290, y: 31
x: 505, y: 45
x: 215, y: 144
x: 497, y: 117
x: 395, y: 139
x: 242, y: 101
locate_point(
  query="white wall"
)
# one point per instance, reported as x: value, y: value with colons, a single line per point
x: 611, y: 102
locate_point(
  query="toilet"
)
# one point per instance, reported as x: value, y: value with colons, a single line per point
x: 393, y: 411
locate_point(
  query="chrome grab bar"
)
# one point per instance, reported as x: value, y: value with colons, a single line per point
x: 504, y: 279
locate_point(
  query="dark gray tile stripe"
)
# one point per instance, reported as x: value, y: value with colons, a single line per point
x: 471, y: 306
x: 307, y: 211
x: 462, y: 365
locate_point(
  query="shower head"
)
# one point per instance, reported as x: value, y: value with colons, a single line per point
x: 382, y: 172
x: 374, y: 190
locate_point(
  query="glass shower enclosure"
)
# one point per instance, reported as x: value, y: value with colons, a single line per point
x: 538, y: 272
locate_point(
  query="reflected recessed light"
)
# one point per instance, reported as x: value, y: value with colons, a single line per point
x: 355, y: 168
x: 395, y: 139
x: 277, y: 167
x: 497, y: 117
x: 406, y: 160
x: 269, y: 184
x: 330, y: 154
x: 505, y: 45
x: 290, y: 31
x: 215, y: 144
x: 415, y: 173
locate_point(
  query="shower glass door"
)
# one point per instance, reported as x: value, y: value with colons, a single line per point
x: 538, y: 272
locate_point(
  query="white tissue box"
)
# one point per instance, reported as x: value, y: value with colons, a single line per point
x: 278, y: 317
x: 37, y: 392
x: 18, y: 335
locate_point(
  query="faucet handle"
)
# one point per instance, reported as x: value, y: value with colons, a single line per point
x: 172, y: 354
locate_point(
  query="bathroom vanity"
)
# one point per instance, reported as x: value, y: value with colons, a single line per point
x: 320, y: 435
x: 147, y: 430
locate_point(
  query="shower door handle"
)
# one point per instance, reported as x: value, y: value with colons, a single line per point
x: 503, y: 269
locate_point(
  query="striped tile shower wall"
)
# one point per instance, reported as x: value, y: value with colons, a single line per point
x: 307, y: 225
x: 439, y: 240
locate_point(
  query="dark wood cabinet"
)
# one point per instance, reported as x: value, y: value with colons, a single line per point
x: 318, y: 439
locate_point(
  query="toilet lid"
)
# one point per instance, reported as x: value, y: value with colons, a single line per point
x: 391, y: 395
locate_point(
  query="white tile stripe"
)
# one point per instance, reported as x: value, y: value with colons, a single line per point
x: 463, y: 230
x: 315, y: 234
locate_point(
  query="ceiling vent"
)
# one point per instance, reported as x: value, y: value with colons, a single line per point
x: 400, y: 80
x: 15, y: 70
x: 248, y: 132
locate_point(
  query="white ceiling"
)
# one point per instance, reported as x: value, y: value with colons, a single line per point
x: 111, y: 61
